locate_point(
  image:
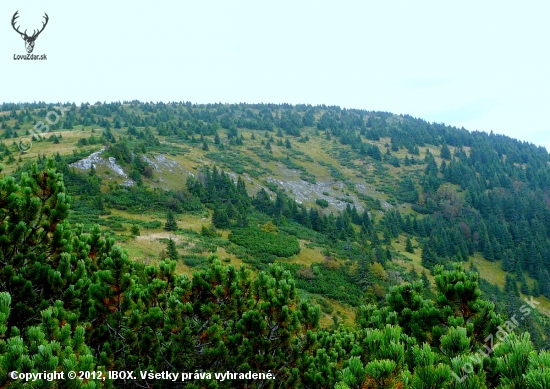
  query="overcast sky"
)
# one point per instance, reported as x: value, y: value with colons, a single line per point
x: 483, y: 65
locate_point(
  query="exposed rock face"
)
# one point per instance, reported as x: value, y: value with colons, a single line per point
x: 96, y: 160
x: 287, y: 179
x: 160, y: 162
x: 91, y: 160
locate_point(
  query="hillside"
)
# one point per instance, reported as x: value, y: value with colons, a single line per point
x: 351, y: 202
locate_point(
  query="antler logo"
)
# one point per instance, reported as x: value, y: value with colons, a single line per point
x: 29, y: 40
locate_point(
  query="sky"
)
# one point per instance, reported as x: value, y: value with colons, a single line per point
x: 478, y: 65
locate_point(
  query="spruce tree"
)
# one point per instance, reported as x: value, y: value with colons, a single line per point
x: 425, y: 280
x: 445, y: 152
x: 220, y: 219
x: 172, y: 250
x: 171, y: 224
x: 428, y: 257
x: 510, y: 286
x: 408, y: 246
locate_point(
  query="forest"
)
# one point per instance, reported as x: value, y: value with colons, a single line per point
x: 328, y: 247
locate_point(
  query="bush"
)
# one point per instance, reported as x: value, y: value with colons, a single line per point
x: 201, y: 247
x: 151, y: 225
x: 210, y: 231
x: 193, y: 260
x: 259, y: 242
x: 142, y: 199
x: 421, y: 209
x: 336, y: 284
x: 322, y: 203
x: 118, y: 227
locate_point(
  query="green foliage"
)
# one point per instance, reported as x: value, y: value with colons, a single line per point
x: 209, y: 232
x: 458, y: 320
x: 193, y: 260
x: 171, y: 224
x: 429, y: 371
x: 260, y: 242
x: 111, y: 220
x: 407, y: 191
x: 171, y: 250
x: 322, y: 203
x: 408, y: 246
x: 98, y: 282
x: 337, y: 283
x: 445, y: 152
x: 135, y: 230
x: 220, y: 219
x: 142, y: 199
x: 50, y: 345
x: 33, y: 237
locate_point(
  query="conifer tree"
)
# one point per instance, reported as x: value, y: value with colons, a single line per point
x: 445, y: 152
x: 34, y: 236
x: 287, y: 144
x: 171, y: 224
x: 51, y: 345
x: 510, y: 286
x: 220, y: 219
x: 428, y: 257
x: 425, y: 280
x: 408, y: 246
x: 172, y: 250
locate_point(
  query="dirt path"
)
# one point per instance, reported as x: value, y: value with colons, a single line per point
x: 159, y: 235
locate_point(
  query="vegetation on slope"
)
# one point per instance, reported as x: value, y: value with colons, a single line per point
x: 87, y: 307
x: 383, y: 179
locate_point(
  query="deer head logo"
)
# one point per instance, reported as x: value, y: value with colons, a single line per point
x: 29, y: 40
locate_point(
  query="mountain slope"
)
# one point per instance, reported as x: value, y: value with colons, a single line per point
x: 386, y: 179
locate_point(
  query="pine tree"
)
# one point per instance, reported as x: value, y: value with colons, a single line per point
x: 34, y: 237
x: 51, y: 345
x: 429, y: 371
